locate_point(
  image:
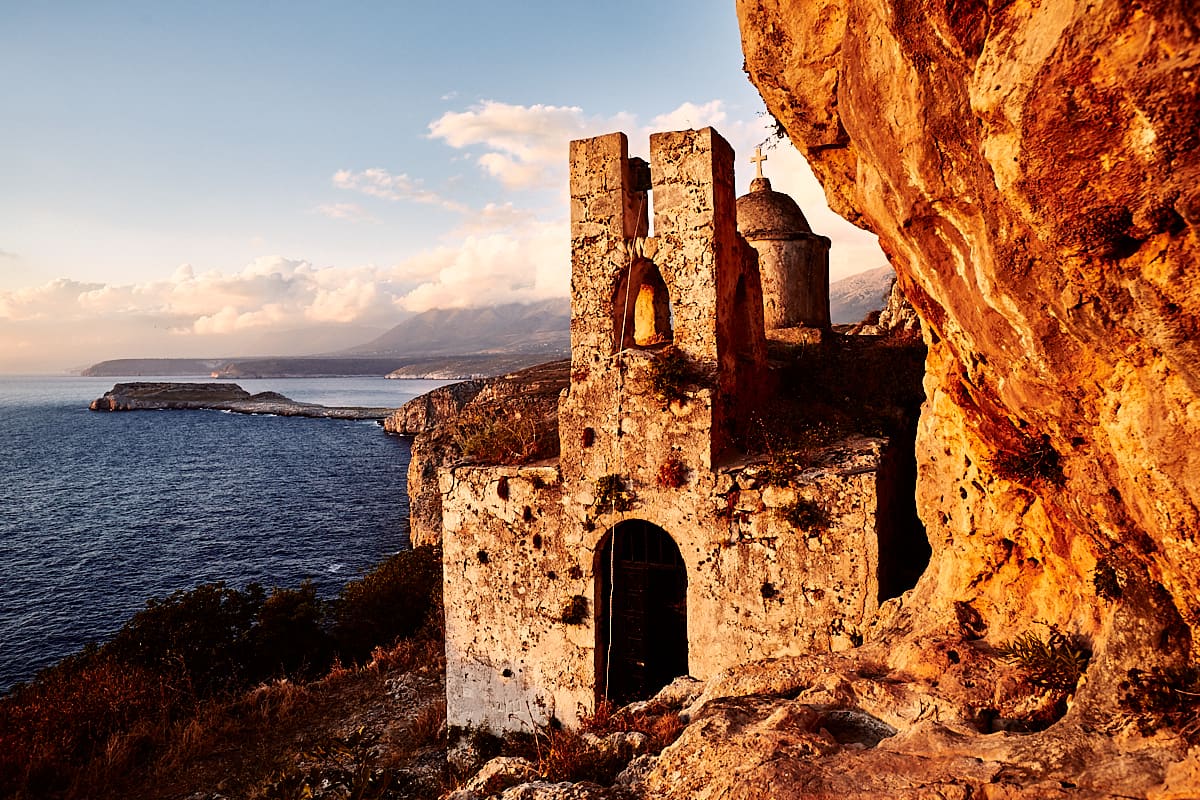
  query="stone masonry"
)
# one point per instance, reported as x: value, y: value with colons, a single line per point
x: 668, y: 363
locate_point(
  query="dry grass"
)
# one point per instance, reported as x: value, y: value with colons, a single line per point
x: 524, y: 432
x: 564, y: 754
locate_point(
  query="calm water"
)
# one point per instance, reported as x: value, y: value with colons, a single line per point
x: 99, y: 512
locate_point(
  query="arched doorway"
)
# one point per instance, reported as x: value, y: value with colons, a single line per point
x: 641, y: 586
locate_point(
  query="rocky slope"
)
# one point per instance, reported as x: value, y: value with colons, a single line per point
x: 853, y: 297
x: 1031, y: 170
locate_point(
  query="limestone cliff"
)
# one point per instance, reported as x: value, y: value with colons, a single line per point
x: 1031, y: 170
x: 511, y: 417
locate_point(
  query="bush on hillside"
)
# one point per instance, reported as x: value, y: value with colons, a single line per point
x: 183, y: 651
x: 206, y: 631
x: 393, y: 601
x: 288, y: 639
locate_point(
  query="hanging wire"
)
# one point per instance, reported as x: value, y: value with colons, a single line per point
x: 612, y: 540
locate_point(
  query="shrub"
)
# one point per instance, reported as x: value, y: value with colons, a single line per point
x: 206, y: 630
x: 514, y: 434
x: 393, y: 601
x: 1054, y: 662
x: 288, y: 639
x: 68, y: 713
x: 569, y: 755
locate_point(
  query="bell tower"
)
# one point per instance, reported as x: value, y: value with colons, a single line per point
x: 671, y: 322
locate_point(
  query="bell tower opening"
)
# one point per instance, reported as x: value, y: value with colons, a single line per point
x: 641, y: 590
x: 642, y: 307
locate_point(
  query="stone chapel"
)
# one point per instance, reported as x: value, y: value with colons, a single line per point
x: 655, y: 547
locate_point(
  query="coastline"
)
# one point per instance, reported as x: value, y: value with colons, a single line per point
x: 158, y: 396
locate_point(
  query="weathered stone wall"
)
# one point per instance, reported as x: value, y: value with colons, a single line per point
x: 519, y: 544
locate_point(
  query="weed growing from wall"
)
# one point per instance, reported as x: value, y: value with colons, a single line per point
x: 673, y: 473
x: 517, y: 436
x: 611, y: 494
x: 1055, y: 662
x: 671, y: 374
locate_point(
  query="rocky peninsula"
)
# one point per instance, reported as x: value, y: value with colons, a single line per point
x: 149, y: 396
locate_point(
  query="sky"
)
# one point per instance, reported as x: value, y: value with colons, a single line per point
x: 252, y: 178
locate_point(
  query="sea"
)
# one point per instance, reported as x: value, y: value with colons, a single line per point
x: 100, y: 512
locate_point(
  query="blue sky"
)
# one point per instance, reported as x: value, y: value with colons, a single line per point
x: 214, y: 178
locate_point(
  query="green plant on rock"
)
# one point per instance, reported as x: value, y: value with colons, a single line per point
x: 1055, y: 662
x: 611, y: 494
x: 671, y: 373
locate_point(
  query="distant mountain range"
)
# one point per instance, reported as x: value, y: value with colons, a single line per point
x: 459, y: 342
x: 543, y: 327
x: 441, y: 343
x: 852, y: 298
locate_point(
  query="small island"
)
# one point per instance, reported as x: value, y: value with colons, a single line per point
x: 150, y: 396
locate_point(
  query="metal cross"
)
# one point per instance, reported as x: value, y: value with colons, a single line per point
x: 757, y: 160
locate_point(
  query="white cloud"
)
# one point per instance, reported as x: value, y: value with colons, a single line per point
x: 347, y: 211
x: 378, y: 182
x: 690, y: 115
x: 7, y: 254
x: 525, y: 146
x: 522, y: 264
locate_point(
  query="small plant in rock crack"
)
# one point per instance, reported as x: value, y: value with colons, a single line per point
x: 671, y: 374
x: 1055, y: 662
x: 1032, y: 460
x: 1163, y: 698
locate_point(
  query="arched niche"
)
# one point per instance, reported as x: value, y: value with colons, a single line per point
x: 642, y: 314
x: 641, y: 601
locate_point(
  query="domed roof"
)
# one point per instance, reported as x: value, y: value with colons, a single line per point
x: 765, y: 213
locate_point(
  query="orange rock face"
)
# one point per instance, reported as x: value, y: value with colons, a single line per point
x: 1031, y: 170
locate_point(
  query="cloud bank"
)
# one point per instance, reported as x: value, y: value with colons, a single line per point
x: 494, y: 254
